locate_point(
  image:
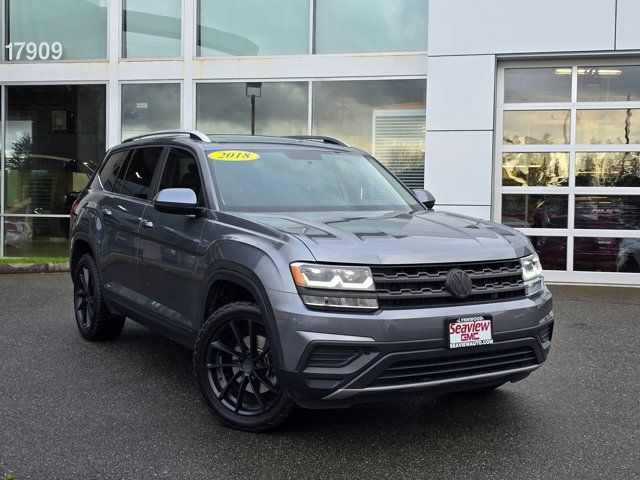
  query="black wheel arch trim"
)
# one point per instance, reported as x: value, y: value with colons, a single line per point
x: 243, y: 276
x: 74, y: 240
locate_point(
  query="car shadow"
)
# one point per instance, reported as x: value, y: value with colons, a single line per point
x: 458, y: 411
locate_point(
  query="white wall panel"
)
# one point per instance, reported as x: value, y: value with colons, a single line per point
x: 311, y: 66
x: 460, y: 93
x: 628, y: 33
x: 458, y: 167
x: 521, y: 26
x: 483, y: 212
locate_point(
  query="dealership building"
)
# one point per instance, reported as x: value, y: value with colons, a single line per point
x: 525, y: 113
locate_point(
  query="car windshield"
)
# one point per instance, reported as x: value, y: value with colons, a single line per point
x: 296, y: 179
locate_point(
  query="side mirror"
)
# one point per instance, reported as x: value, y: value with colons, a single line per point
x: 181, y: 201
x: 425, y: 198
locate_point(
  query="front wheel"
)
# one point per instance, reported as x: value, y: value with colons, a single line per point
x: 234, y: 369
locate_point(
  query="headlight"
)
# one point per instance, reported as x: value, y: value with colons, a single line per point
x: 531, y: 267
x: 335, y: 287
x: 532, y: 274
x: 309, y: 275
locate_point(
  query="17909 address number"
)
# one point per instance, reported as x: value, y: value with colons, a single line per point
x: 33, y: 51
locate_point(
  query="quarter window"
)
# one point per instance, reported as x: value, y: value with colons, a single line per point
x: 113, y: 167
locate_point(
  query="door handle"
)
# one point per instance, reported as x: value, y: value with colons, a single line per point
x: 147, y: 223
x: 107, y: 212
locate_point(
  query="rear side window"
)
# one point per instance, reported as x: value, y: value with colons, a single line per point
x: 113, y: 167
x: 181, y: 171
x: 137, y: 180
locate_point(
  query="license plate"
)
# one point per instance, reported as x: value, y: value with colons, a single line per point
x: 469, y: 331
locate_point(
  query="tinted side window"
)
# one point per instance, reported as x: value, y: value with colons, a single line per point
x: 112, y: 168
x: 181, y: 171
x: 137, y: 180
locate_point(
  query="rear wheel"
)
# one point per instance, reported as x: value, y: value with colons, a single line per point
x: 93, y: 318
x: 234, y: 369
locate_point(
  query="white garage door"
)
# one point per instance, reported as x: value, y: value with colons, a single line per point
x: 568, y: 166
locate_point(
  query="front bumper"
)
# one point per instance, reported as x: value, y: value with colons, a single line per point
x: 399, y: 351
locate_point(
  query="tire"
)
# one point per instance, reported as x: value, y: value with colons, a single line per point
x: 233, y: 367
x: 95, y: 321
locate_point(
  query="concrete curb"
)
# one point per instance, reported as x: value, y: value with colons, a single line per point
x: 38, y: 267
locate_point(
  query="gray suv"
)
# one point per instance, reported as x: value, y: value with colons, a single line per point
x: 301, y: 271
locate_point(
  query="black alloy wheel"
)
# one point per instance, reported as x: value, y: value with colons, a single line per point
x: 234, y: 367
x: 240, y: 367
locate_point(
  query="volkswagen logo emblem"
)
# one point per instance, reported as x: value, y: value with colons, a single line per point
x: 458, y: 283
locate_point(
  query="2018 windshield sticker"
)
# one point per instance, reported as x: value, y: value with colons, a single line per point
x: 234, y: 155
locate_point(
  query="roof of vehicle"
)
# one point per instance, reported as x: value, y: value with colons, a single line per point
x: 210, y: 141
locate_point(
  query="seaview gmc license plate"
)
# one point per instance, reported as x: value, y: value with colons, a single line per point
x: 469, y: 331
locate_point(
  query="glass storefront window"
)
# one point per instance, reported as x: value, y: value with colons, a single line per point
x: 383, y: 117
x: 611, y: 212
x: 603, y: 254
x: 36, y: 237
x: 54, y: 139
x: 151, y: 29
x: 281, y: 108
x: 542, y: 150
x: 608, y: 169
x: 149, y: 106
x: 253, y: 27
x: 60, y: 30
x: 371, y: 26
x: 552, y: 252
x: 534, y: 211
x: 536, y: 127
x: 609, y: 84
x: 607, y: 126
x: 540, y: 169
x: 530, y: 85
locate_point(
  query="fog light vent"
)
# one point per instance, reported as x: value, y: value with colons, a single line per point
x: 324, y: 356
x: 546, y: 333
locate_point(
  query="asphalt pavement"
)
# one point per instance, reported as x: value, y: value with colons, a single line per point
x: 129, y: 409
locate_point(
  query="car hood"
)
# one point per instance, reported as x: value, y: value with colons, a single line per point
x: 398, y: 237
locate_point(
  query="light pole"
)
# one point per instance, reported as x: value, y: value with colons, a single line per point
x: 253, y: 90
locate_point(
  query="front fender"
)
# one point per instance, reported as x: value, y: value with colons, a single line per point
x: 254, y: 260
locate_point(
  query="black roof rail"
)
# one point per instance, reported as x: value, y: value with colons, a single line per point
x: 318, y: 138
x: 193, y: 134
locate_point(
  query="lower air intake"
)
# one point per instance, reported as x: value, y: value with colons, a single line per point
x: 455, y: 366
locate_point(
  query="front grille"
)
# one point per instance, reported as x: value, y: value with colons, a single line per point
x: 332, y: 357
x: 455, y: 366
x: 417, y: 286
x: 546, y: 333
